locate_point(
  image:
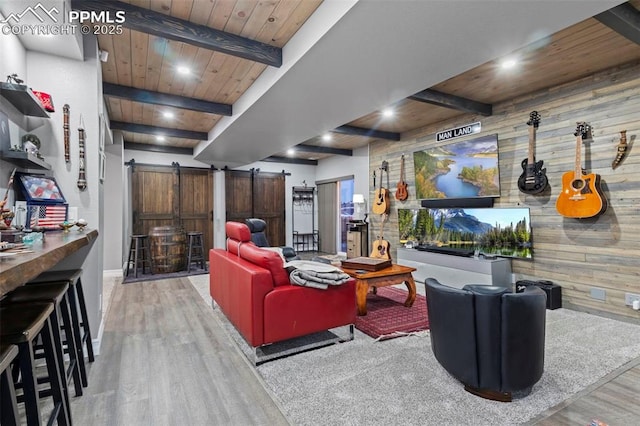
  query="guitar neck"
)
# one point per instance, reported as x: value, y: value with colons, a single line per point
x: 532, y: 141
x: 402, y: 168
x: 578, y: 167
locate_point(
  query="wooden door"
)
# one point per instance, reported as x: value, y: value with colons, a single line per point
x: 196, y: 203
x: 257, y: 194
x: 154, y: 198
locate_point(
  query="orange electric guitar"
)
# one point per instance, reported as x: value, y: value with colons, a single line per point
x: 581, y: 196
x: 381, y: 199
x: 401, y: 190
x: 380, y: 248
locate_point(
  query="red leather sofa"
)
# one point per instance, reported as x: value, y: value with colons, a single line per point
x: 252, y: 289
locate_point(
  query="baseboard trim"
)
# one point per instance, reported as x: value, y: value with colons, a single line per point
x: 112, y: 273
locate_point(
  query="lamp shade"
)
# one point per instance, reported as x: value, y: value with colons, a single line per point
x: 358, y: 198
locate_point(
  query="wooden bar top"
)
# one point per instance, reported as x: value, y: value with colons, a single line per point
x: 57, y: 245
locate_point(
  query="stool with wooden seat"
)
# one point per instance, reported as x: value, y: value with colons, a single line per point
x: 195, y: 251
x: 20, y: 325
x: 79, y: 317
x: 9, y: 409
x: 58, y: 294
x: 139, y: 254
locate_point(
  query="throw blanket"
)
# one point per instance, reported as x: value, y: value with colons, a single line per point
x: 314, y: 274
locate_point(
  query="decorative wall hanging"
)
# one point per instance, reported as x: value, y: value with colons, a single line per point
x: 65, y: 117
x: 82, y: 180
x: 622, y: 150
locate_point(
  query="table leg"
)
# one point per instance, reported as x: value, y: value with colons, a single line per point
x: 362, y: 288
x: 411, y: 287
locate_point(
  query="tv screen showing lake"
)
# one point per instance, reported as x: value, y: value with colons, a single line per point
x: 458, y: 170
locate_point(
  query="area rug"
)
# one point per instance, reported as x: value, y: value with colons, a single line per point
x: 153, y: 277
x: 387, y: 317
x: 398, y: 381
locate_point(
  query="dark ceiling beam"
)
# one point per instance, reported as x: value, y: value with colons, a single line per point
x: 157, y: 98
x: 623, y: 19
x: 158, y: 131
x: 451, y: 101
x: 161, y: 25
x: 323, y: 150
x: 371, y: 133
x: 158, y: 148
x: 276, y: 159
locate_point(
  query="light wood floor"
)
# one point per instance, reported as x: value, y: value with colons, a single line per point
x: 166, y: 360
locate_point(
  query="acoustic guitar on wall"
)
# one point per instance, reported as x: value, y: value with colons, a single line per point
x: 401, y: 189
x: 381, y: 199
x: 581, y: 196
x: 533, y: 179
x: 380, y: 247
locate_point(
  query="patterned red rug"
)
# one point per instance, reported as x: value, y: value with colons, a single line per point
x: 387, y: 317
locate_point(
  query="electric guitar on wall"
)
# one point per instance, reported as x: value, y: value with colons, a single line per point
x: 581, y: 196
x: 401, y: 189
x: 533, y: 179
x: 380, y: 247
x: 381, y: 199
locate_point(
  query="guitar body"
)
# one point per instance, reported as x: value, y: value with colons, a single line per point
x: 381, y: 249
x: 401, y: 191
x: 381, y: 204
x: 533, y: 179
x: 581, y: 197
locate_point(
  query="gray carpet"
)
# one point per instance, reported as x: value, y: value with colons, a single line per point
x: 399, y: 381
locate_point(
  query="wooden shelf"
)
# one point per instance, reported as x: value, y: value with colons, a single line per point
x: 23, y: 99
x: 24, y: 160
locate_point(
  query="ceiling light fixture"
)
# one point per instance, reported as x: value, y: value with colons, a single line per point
x: 160, y: 138
x: 509, y: 63
x: 168, y: 114
x: 327, y: 137
x: 291, y: 151
x: 184, y: 70
x: 387, y: 113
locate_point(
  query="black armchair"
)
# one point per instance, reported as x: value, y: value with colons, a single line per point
x: 489, y: 338
x: 259, y: 238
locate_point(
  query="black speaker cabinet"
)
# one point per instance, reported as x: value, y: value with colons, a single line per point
x: 553, y: 291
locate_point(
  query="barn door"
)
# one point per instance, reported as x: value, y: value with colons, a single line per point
x: 196, y: 203
x: 154, y: 198
x: 257, y: 194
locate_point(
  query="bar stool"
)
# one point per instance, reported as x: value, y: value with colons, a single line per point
x: 58, y: 294
x: 139, y: 252
x: 9, y: 409
x: 20, y: 325
x: 196, y: 251
x: 79, y: 320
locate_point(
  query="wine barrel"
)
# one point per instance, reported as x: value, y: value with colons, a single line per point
x: 168, y: 245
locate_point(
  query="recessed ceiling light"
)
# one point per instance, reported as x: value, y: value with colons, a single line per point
x: 327, y: 137
x: 291, y: 151
x: 160, y: 138
x: 509, y: 63
x: 168, y: 114
x: 388, y: 112
x: 184, y: 70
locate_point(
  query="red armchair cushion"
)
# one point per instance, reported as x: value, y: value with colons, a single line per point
x: 267, y: 259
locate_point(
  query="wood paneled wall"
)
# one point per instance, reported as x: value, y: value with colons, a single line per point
x: 577, y: 254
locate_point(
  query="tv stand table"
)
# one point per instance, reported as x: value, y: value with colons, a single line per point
x: 457, y: 271
x: 394, y: 274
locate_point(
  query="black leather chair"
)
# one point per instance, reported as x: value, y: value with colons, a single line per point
x: 489, y: 338
x: 259, y: 238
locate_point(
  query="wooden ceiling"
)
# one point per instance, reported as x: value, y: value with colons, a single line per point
x: 144, y: 58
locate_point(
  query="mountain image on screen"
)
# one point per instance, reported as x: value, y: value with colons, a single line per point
x: 491, y: 231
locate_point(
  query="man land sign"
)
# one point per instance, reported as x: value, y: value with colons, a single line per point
x: 467, y: 129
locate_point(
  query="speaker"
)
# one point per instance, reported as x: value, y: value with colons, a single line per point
x: 445, y: 203
x: 553, y: 291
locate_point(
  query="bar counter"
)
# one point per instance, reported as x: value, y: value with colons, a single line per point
x: 20, y: 268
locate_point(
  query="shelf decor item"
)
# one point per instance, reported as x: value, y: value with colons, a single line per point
x: 82, y: 180
x: 45, y: 99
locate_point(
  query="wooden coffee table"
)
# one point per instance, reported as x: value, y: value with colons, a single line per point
x: 395, y: 274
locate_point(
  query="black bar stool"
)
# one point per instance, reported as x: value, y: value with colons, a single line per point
x: 9, y: 409
x: 139, y: 254
x: 196, y: 251
x: 58, y: 294
x: 20, y: 325
x: 79, y: 320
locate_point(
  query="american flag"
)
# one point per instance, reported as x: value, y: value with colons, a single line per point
x: 48, y: 216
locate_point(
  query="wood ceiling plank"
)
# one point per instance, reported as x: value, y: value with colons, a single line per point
x: 150, y: 139
x: 218, y: 87
x: 279, y: 16
x: 170, y: 61
x: 201, y: 12
x: 113, y: 106
x: 215, y: 64
x: 122, y: 50
x: 186, y: 57
x: 220, y: 14
x: 237, y: 77
x: 136, y: 112
x: 155, y: 54
x: 140, y: 44
x: 257, y: 19
x: 182, y: 8
x: 200, y: 64
x: 109, y: 72
x: 255, y: 71
x: 295, y: 21
x: 127, y: 109
x: 239, y: 16
x: 155, y: 130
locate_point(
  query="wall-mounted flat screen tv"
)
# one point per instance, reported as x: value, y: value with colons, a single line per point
x: 463, y: 169
x: 492, y: 231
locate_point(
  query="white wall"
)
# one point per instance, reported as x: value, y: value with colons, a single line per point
x: 356, y: 165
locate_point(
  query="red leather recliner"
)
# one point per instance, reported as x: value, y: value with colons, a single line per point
x: 253, y: 290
